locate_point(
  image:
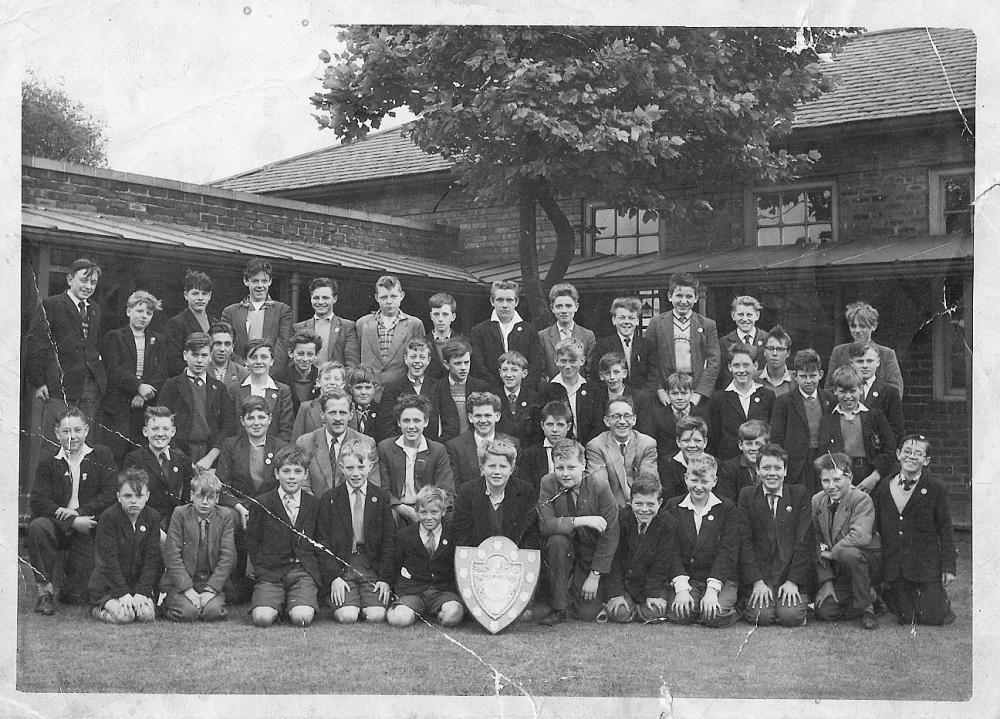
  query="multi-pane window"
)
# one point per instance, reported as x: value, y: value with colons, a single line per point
x: 650, y: 306
x: 794, y: 215
x: 952, y: 194
x: 616, y: 233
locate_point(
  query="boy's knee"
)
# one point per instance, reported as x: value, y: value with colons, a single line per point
x: 400, y: 616
x: 214, y: 612
x: 264, y: 616
x: 791, y: 616
x: 621, y: 615
x: 850, y: 556
x: 675, y: 618
x: 759, y: 616
x: 374, y: 614
x: 346, y: 615
x: 829, y: 611
x: 451, y: 614
x: 719, y: 621
x: 301, y: 616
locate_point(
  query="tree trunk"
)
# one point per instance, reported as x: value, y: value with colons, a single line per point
x: 565, y: 237
x: 531, y: 285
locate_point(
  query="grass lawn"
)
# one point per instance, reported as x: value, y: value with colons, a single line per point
x: 72, y: 652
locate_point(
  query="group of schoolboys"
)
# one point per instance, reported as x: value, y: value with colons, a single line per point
x: 404, y: 446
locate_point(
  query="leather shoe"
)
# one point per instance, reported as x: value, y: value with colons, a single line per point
x: 554, y: 617
x: 869, y: 621
x: 45, y: 604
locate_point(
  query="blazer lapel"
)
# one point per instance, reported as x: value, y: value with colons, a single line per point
x: 371, y: 336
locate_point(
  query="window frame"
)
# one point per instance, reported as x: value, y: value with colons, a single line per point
x: 590, y: 212
x: 936, y: 219
x: 750, y: 203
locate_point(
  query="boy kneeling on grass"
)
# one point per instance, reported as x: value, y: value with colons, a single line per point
x: 127, y: 562
x: 199, y: 555
x: 425, y: 566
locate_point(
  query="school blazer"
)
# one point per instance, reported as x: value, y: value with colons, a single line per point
x: 58, y: 356
x: 672, y: 475
x: 464, y: 456
x: 605, y: 461
x: 234, y: 376
x: 120, y: 362
x: 549, y: 337
x: 532, y: 465
x: 165, y: 493
x: 487, y: 346
x: 642, y: 566
x: 342, y: 339
x: 733, y: 475
x: 474, y: 519
x: 310, y: 417
x: 642, y: 407
x: 290, y: 377
x: 393, y: 368
x: 665, y: 426
x: 279, y: 401
x: 637, y: 349
x: 727, y: 341
x: 520, y: 421
x: 355, y: 421
x: 277, y: 327
x: 888, y: 367
x: 705, y: 357
x: 442, y: 424
x: 594, y: 550
x: 436, y: 367
x: 432, y: 467
x: 323, y: 475
x: 712, y: 552
x: 586, y: 401
x: 268, y: 536
x: 180, y: 550
x: 725, y: 415
x: 335, y: 531
x: 918, y: 543
x: 53, y: 485
x: 176, y: 333
x: 233, y: 469
x: 880, y: 445
x: 780, y: 547
x: 126, y: 561
x: 178, y: 396
x: 885, y: 398
x: 853, y: 527
x: 790, y: 429
x: 425, y: 571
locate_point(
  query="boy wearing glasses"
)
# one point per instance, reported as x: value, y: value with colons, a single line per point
x: 775, y: 375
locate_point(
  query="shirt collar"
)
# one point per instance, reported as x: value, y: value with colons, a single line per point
x: 328, y: 318
x: 296, y: 496
x: 83, y: 453
x: 560, y: 330
x: 709, y: 503
x: 754, y: 386
x: 558, y: 379
x: 157, y: 453
x: 861, y: 408
x: 269, y: 384
x: 815, y: 393
x: 402, y: 443
x: 203, y: 377
x: 495, y: 318
x: 678, y: 317
x: 400, y: 315
x: 424, y: 534
x: 330, y: 438
x: 248, y: 303
x: 763, y: 377
x: 480, y: 441
x: 77, y: 300
x: 363, y: 489
x: 780, y: 492
x: 491, y: 496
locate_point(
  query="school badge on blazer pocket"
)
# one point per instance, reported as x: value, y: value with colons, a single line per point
x: 876, y: 442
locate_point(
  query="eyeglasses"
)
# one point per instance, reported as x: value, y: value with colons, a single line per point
x: 620, y: 417
x: 772, y: 348
x: 915, y: 453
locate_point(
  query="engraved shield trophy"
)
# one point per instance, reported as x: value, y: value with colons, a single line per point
x: 497, y: 580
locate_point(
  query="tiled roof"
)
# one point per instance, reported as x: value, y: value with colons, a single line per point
x: 882, y: 75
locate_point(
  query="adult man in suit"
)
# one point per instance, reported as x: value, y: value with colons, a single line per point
x: 682, y: 341
x: 323, y: 445
x: 384, y: 334
x: 339, y: 336
x: 850, y: 557
x: 777, y: 550
x: 463, y: 450
x: 745, y: 313
x: 625, y: 314
x: 63, y: 359
x: 260, y: 317
x: 503, y: 332
x: 621, y: 454
x: 193, y: 318
x: 564, y: 301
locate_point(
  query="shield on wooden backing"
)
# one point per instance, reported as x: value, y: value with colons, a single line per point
x: 497, y: 580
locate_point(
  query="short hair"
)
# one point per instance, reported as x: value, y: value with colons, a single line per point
x: 679, y: 380
x: 861, y: 313
x: 845, y: 377
x: 157, y: 412
x: 621, y: 400
x: 142, y: 297
x: 778, y: 333
x: 609, y: 360
x: 481, y: 399
x: 324, y: 282
x: 501, y: 447
x: 690, y: 424
x: 335, y: 393
x: 84, y: 263
x: 702, y: 464
x: 648, y: 485
x: 441, y: 299
x: 505, y: 285
x: 833, y: 460
x: 455, y: 347
x: 291, y: 454
x: 563, y: 289
x: 330, y: 366
x: 220, y: 327
x: 746, y: 300
x: 256, y: 266
x: 682, y: 279
x: 411, y: 401
x: 860, y: 349
x: 197, y: 280
x: 253, y: 404
x: 72, y: 411
x: 567, y: 448
x: 361, y: 451
x: 570, y: 346
x: 418, y: 343
x: 807, y: 360
x: 630, y: 304
x: 429, y: 494
x: 135, y: 477
x: 196, y: 341
x: 304, y: 337
x: 260, y: 342
x: 515, y: 358
x: 739, y: 348
x: 559, y: 409
x: 917, y: 438
x: 754, y: 428
x: 361, y: 373
x: 773, y: 450
x: 205, y: 481
x: 389, y: 282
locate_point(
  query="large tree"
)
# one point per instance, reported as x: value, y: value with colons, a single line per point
x: 627, y: 115
x: 55, y: 126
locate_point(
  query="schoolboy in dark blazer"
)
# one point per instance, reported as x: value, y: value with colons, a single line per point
x: 876, y: 393
x: 745, y: 311
x: 276, y: 323
x: 739, y: 472
x: 488, y: 342
x: 625, y: 313
x: 340, y: 337
x: 197, y: 294
x: 170, y: 480
x: 518, y: 418
x: 727, y: 414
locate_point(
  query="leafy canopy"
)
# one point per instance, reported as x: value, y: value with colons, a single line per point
x: 58, y: 128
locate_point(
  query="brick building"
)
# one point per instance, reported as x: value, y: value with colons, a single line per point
x: 885, y: 216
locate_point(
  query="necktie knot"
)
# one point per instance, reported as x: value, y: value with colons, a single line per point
x: 622, y: 446
x: 627, y: 341
x: 642, y: 528
x: 907, y: 484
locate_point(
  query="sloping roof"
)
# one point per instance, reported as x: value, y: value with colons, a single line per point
x: 183, y: 237
x: 832, y: 260
x: 882, y: 75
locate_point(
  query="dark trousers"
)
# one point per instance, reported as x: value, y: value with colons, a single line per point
x: 46, y: 539
x: 566, y: 578
x: 919, y: 602
x: 855, y: 571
